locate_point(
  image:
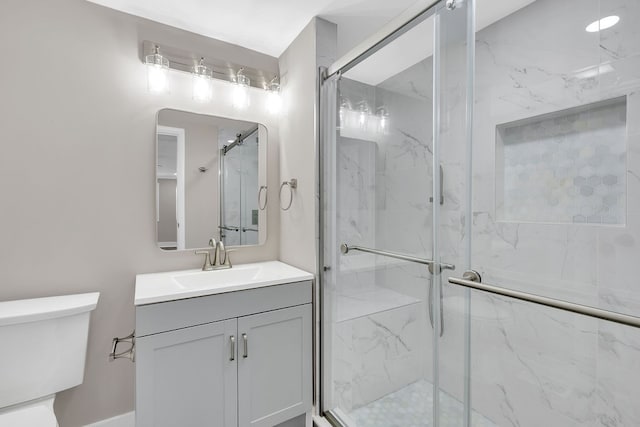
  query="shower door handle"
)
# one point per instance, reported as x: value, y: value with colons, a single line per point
x: 441, y: 187
x: 431, y: 307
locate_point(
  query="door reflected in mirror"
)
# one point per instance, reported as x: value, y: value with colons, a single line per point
x: 210, y: 174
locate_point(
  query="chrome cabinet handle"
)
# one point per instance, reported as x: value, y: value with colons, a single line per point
x: 232, y: 339
x: 245, y: 342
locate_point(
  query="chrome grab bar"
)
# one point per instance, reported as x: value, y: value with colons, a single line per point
x: 229, y: 228
x: 245, y: 229
x: 345, y: 248
x: 471, y: 279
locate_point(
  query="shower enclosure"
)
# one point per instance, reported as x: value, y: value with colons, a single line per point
x: 510, y: 150
x: 239, y: 190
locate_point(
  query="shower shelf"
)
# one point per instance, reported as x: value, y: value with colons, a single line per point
x: 375, y: 300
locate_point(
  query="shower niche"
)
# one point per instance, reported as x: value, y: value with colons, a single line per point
x: 568, y: 166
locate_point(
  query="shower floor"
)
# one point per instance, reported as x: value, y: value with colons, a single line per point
x: 412, y: 406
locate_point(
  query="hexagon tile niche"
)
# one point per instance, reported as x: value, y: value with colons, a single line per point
x: 564, y: 167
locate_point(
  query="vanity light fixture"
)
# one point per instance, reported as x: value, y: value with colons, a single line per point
x: 361, y: 122
x: 274, y: 100
x: 602, y: 24
x: 202, y: 82
x: 203, y: 74
x: 241, y: 91
x: 157, y: 71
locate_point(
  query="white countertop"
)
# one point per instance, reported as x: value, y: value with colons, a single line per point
x: 175, y: 285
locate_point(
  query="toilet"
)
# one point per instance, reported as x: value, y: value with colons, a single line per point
x: 44, y: 344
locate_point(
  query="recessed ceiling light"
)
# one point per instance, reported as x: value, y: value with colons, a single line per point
x: 602, y: 24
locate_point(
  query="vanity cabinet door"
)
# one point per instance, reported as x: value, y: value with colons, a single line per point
x: 274, y: 366
x: 188, y: 377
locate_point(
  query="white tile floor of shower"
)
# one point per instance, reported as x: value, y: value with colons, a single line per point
x: 412, y: 406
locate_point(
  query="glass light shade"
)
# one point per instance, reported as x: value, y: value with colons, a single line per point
x: 202, y: 82
x: 241, y: 91
x: 274, y: 100
x: 157, y: 72
x: 383, y: 121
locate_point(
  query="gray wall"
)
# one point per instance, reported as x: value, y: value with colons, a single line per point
x: 77, y: 170
x: 315, y: 46
x: 201, y: 207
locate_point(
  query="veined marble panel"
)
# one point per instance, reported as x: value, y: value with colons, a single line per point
x: 376, y: 355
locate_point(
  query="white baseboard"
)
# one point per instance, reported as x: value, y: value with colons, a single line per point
x: 123, y: 420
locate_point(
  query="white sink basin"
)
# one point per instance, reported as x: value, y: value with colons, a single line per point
x: 161, y: 287
x: 235, y: 275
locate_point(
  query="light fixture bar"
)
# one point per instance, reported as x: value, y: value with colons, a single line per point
x: 182, y: 60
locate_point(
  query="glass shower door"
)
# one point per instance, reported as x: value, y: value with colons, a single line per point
x: 453, y: 103
x: 391, y: 125
x: 556, y: 214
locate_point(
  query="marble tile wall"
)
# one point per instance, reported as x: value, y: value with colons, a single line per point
x: 533, y: 366
x: 377, y: 354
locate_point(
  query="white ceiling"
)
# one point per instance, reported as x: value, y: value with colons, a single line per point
x: 266, y: 26
x: 417, y: 44
x: 270, y: 26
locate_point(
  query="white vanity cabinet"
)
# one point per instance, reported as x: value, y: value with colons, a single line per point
x: 187, y: 376
x: 274, y: 370
x: 231, y: 359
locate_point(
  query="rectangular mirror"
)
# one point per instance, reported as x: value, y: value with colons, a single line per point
x: 210, y: 181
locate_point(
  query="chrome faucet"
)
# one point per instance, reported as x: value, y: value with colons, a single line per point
x: 218, y: 260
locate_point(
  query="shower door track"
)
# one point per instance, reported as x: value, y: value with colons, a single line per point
x: 472, y: 279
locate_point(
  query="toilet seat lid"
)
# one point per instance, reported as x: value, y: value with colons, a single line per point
x: 38, y: 415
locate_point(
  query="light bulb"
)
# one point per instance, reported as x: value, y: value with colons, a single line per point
x: 343, y: 113
x: 274, y: 100
x: 157, y: 72
x: 202, y: 89
x: 363, y: 116
x: 241, y: 91
x: 202, y: 85
x: 383, y: 121
x: 157, y: 77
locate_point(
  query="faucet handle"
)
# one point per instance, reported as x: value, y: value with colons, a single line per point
x: 227, y: 260
x: 207, y: 265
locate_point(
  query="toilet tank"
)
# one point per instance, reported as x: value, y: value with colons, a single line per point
x: 43, y: 345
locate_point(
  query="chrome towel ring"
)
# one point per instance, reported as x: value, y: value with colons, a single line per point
x: 292, y: 184
x: 262, y: 206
